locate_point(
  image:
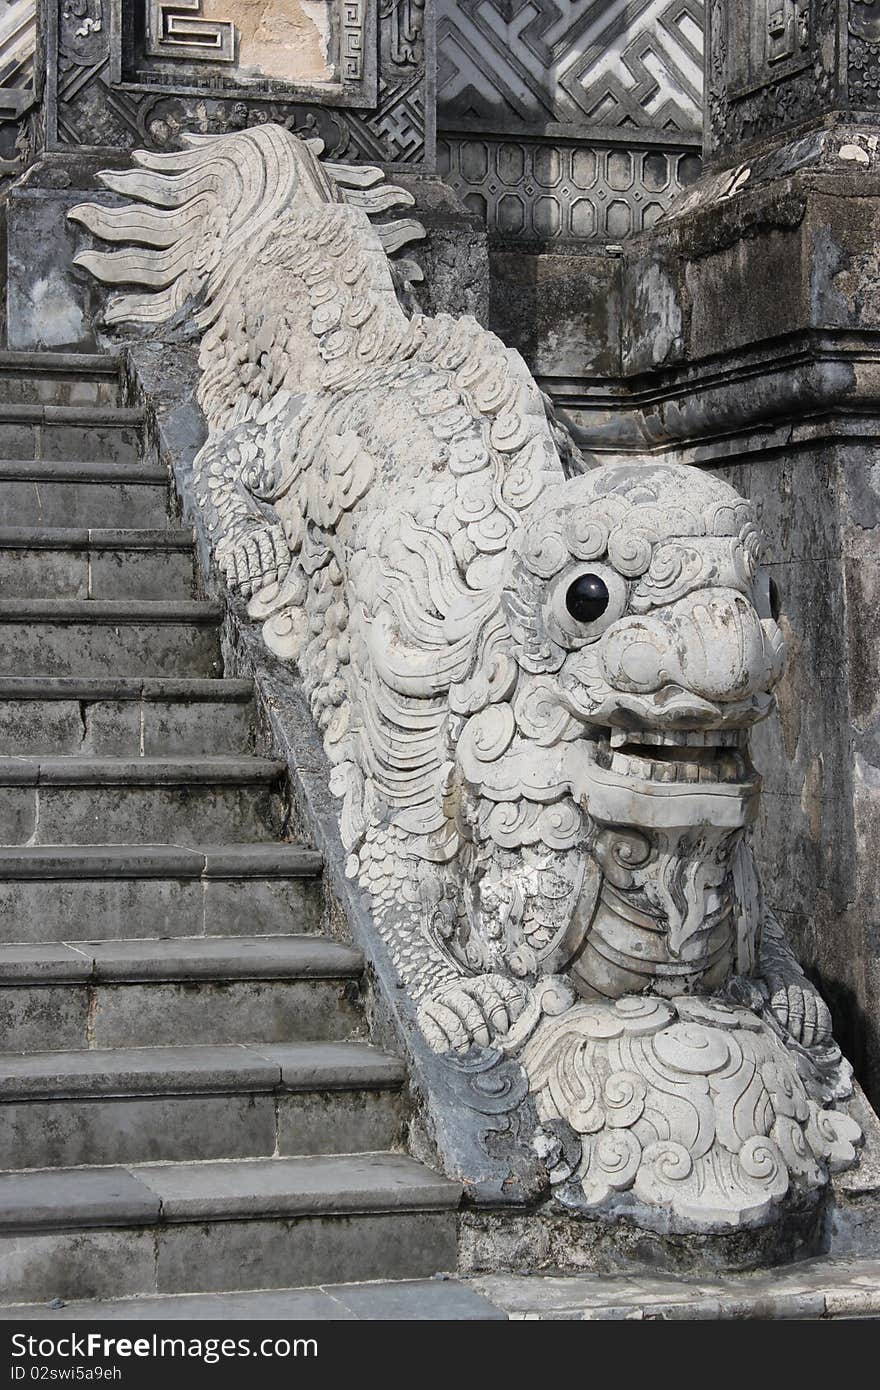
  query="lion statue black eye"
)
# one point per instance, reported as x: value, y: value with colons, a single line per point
x: 587, y: 598
x: 775, y: 604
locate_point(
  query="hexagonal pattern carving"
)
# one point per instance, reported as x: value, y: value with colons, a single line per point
x: 543, y: 190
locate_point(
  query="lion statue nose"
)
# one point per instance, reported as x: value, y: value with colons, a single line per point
x: 712, y: 643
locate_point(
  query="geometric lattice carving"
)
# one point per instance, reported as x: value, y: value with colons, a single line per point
x: 178, y: 31
x: 543, y: 191
x: 507, y: 69
x: 18, y: 34
x: 619, y: 63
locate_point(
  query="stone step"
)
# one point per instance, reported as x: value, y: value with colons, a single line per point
x: 73, y: 893
x: 59, y: 378
x: 70, y: 493
x: 202, y: 1227
x: 87, y: 432
x: 125, y: 717
x: 44, y: 562
x: 101, y: 637
x: 400, y: 1300
x: 86, y: 800
x: 178, y: 991
x: 819, y: 1288
x: 150, y: 1104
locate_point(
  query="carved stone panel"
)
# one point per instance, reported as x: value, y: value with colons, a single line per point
x: 548, y: 113
x: 326, y: 48
x: 776, y: 64
x: 616, y: 63
x: 351, y: 72
x: 546, y: 193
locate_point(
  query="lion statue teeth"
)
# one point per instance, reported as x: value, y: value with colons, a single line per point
x: 534, y: 681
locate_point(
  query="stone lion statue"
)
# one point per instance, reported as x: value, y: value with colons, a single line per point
x: 535, y: 683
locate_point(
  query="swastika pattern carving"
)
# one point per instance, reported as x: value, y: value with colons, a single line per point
x: 620, y: 63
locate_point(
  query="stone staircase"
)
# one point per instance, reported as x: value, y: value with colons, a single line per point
x: 188, y: 1100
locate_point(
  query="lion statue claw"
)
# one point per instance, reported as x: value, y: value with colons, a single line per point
x: 477, y: 1011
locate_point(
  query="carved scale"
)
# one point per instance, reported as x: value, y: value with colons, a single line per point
x: 535, y: 684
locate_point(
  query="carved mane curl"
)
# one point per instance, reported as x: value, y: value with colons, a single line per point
x: 197, y: 211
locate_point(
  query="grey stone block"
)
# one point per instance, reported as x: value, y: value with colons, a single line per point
x: 57, y: 501
x: 108, y: 647
x: 227, y: 958
x: 45, y: 910
x: 247, y: 1011
x: 130, y: 890
x: 93, y: 800
x: 33, y: 1016
x: 276, y: 858
x: 73, y: 1198
x: 241, y: 907
x: 143, y: 1129
x: 77, y: 1264
x: 141, y: 1105
x: 304, y: 1305
x: 175, y: 727
x: 328, y: 1185
x: 311, y: 1250
x: 307, y: 1066
x: 19, y: 441
x: 100, y: 861
x: 337, y: 1122
x: 53, y: 962
x: 29, y: 727
x: 84, y: 573
x: 185, y: 813
x: 138, y: 1071
x: 18, y: 814
x: 82, y: 717
x: 58, y: 378
x: 111, y: 443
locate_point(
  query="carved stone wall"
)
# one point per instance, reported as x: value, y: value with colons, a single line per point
x: 17, y: 43
x: 562, y: 123
x: 612, y: 63
x: 567, y: 123
x: 121, y: 74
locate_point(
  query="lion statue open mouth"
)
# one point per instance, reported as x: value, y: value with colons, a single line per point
x: 535, y: 684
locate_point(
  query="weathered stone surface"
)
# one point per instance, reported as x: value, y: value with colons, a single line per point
x: 272, y: 1254
x: 64, y: 494
x: 814, y: 1289
x: 562, y: 312
x: 244, y: 1011
x: 77, y: 1264
x: 58, y: 378
x: 58, y: 1134
x: 55, y: 639
x: 118, y: 891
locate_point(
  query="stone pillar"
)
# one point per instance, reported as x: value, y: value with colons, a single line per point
x: 750, y: 343
x: 773, y: 66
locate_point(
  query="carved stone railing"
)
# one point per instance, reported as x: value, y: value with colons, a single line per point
x: 535, y: 685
